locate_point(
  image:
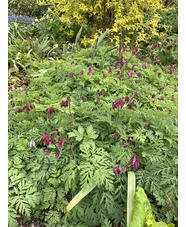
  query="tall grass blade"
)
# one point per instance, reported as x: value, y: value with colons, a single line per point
x: 81, y: 195
x: 130, y: 195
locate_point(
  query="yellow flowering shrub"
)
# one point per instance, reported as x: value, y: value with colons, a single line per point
x: 116, y: 15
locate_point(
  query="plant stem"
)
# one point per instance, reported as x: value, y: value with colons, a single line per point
x: 31, y: 114
x: 68, y: 143
x: 116, y: 124
x: 50, y: 122
x: 70, y: 112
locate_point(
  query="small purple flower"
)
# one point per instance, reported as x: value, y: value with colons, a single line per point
x: 168, y: 133
x: 120, y: 169
x: 32, y: 143
x: 140, y: 56
x: 175, y: 89
x: 159, y: 62
x: 72, y: 75
x: 167, y: 84
x: 100, y: 93
x: 130, y: 48
x: 173, y: 60
x: 16, y: 109
x: 163, y: 88
x: 61, y: 142
x: 137, y: 48
x: 172, y: 98
x: 162, y: 99
x: 127, y: 99
x: 38, y: 98
x: 93, y: 73
x: 159, y: 75
x: 57, y: 153
x: 139, y: 75
x: 46, y: 152
x: 98, y: 99
x: 72, y: 57
x: 153, y: 96
x: 27, y: 111
x: 125, y: 145
x: 104, y: 76
x: 52, y: 139
x: 117, y: 136
x: 12, y: 103
x: 135, y: 162
x: 25, y: 91
x: 155, y: 70
x: 81, y: 73
x: 149, y: 54
x: 84, y: 98
x: 133, y: 68
x: 110, y: 70
x: 118, y: 72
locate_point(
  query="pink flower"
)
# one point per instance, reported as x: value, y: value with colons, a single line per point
x: 44, y: 137
x: 61, y: 142
x: 172, y: 98
x: 38, y: 98
x: 93, y: 73
x: 140, y: 56
x: 81, y: 73
x: 117, y: 136
x: 98, y: 99
x: 84, y: 98
x: 104, y: 76
x: 16, y: 109
x: 47, y: 141
x: 118, y: 72
x: 153, y: 96
x: 135, y: 162
x: 120, y: 169
x: 163, y: 88
x: 52, y: 139
x: 137, y: 48
x: 25, y: 91
x: 12, y: 103
x: 32, y: 143
x: 100, y: 93
x: 46, y: 152
x: 127, y: 99
x: 125, y: 145
x: 110, y: 70
x: 72, y: 57
x: 155, y: 70
x: 57, y: 153
x: 175, y: 89
x: 72, y: 75
x: 27, y: 111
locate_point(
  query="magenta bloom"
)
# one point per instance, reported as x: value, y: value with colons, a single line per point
x: 153, y: 96
x: 159, y: 75
x: 117, y: 170
x: 104, y: 76
x: 12, y: 103
x: 16, y: 109
x: 46, y: 152
x: 110, y: 70
x: 72, y: 57
x: 149, y: 54
x: 93, y: 73
x: 120, y: 169
x: 98, y: 99
x: 117, y: 103
x: 27, y: 111
x: 72, y: 75
x: 52, y: 139
x: 64, y: 103
x: 172, y: 98
x: 135, y: 162
x: 38, y: 98
x: 25, y: 91
x: 61, y: 142
x: 57, y: 153
x: 44, y: 137
x: 125, y: 145
x: 139, y: 75
x: 159, y: 62
x: 32, y: 143
x: 163, y: 88
x: 81, y: 73
x: 118, y: 72
x: 140, y: 56
x: 100, y: 93
x: 155, y: 70
x: 84, y: 98
x: 162, y: 99
x: 127, y: 99
x: 137, y: 48
x: 173, y: 60
x: 47, y: 141
x: 117, y: 136
x: 175, y: 89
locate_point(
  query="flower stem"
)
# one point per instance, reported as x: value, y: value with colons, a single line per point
x: 31, y: 114
x: 68, y: 143
x: 116, y: 124
x: 50, y: 122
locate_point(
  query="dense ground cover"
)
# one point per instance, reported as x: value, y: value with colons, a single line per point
x: 77, y: 117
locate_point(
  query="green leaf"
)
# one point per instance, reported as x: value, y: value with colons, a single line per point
x: 141, y: 210
x: 81, y: 195
x: 130, y: 195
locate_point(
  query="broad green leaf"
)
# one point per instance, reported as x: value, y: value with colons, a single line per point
x: 81, y: 195
x: 130, y: 195
x: 141, y: 210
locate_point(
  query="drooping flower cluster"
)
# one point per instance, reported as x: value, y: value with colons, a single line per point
x: 49, y: 110
x: 65, y: 103
x: 118, y: 102
x: 28, y: 107
x: 135, y: 162
x: 46, y: 139
x: 117, y: 170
